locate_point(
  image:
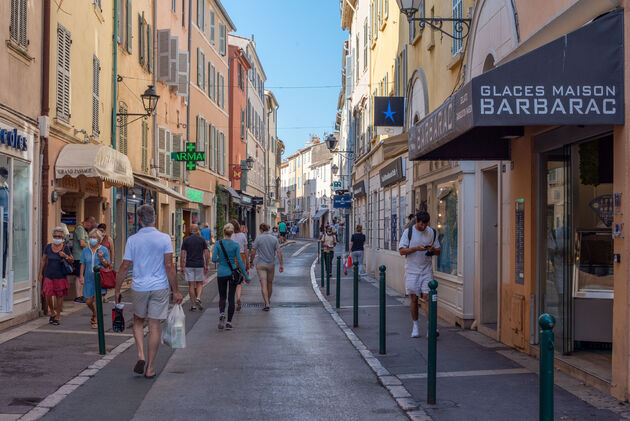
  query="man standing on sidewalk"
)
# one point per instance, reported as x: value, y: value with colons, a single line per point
x: 266, y: 246
x: 206, y: 233
x: 194, y: 261
x: 80, y: 241
x: 282, y: 227
x: 418, y: 244
x: 151, y: 253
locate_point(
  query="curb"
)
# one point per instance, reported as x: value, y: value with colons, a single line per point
x: 390, y: 382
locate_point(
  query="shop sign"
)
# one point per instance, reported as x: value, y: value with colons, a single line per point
x: 337, y: 185
x: 237, y: 172
x: 12, y: 139
x: 190, y: 156
x: 246, y: 199
x: 257, y: 201
x: 389, y: 111
x: 194, y: 195
x: 343, y: 201
x: 358, y: 190
x: 392, y: 173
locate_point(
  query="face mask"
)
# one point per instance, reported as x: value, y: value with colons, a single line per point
x: 57, y: 241
x: 93, y: 241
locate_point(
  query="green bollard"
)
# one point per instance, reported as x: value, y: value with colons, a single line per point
x: 432, y: 366
x: 355, y: 311
x: 323, y: 256
x: 98, y: 299
x: 338, y: 286
x: 546, y: 322
x: 381, y: 326
x: 328, y: 280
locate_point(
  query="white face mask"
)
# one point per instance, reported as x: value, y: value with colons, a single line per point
x: 57, y: 241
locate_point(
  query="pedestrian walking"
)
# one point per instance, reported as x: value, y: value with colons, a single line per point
x: 94, y: 255
x: 225, y: 252
x: 264, y: 250
x: 357, y: 241
x: 241, y: 238
x: 151, y: 254
x: 418, y: 244
x: 194, y: 263
x: 274, y: 232
x: 206, y: 234
x: 282, y: 228
x: 79, y: 242
x: 328, y: 240
x: 53, y: 274
x: 107, y: 240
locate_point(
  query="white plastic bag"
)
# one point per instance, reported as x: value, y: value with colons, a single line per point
x: 174, y: 333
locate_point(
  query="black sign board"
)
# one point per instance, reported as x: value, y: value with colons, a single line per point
x: 389, y: 111
x: 556, y: 84
x: 358, y: 190
x: 519, y: 241
x: 392, y: 173
x: 257, y: 201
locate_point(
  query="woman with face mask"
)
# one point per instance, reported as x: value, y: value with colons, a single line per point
x: 93, y: 255
x: 52, y: 274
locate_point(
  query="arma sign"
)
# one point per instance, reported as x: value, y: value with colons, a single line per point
x: 190, y: 156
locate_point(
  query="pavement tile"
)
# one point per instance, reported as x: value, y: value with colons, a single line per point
x: 398, y: 391
x: 390, y: 381
x: 407, y: 404
x: 34, y: 414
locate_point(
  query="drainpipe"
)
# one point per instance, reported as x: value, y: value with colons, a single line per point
x: 189, y: 73
x: 112, y: 211
x: 154, y: 76
x: 45, y: 106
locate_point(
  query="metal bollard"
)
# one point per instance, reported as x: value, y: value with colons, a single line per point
x: 355, y: 311
x: 546, y: 322
x: 98, y: 299
x: 432, y: 365
x: 381, y: 326
x: 338, y: 285
x: 323, y: 256
x: 328, y: 279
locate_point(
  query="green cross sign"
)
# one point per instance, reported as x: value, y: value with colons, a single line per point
x: 190, y: 156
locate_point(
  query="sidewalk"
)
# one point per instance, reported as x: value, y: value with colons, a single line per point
x: 478, y: 378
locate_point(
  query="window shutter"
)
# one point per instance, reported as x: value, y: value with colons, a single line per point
x: 222, y: 39
x: 122, y: 133
x: 162, y: 151
x: 349, y: 76
x: 182, y: 80
x: 204, y: 145
x: 164, y: 48
x: 119, y: 20
x: 145, y: 146
x: 211, y: 148
x: 167, y: 155
x: 212, y: 26
x: 222, y: 153
x: 210, y: 80
x: 177, y: 147
x: 129, y: 26
x: 404, y: 71
x: 173, y: 61
x: 199, y: 67
x: 15, y: 19
x: 150, y: 48
x: 200, y: 14
x: 96, y: 70
x: 63, y: 73
x: 203, y: 70
x: 242, y: 123
x: 366, y: 40
x: 396, y: 74
x: 141, y: 38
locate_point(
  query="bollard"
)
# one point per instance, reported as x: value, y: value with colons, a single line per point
x: 381, y: 329
x: 546, y: 323
x: 98, y: 300
x: 328, y: 279
x: 432, y: 351
x: 323, y: 256
x: 338, y: 285
x: 355, y: 311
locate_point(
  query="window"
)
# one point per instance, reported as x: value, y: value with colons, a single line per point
x: 164, y: 151
x: 222, y: 38
x: 18, y: 27
x: 173, y: 6
x: 184, y: 13
x: 149, y: 48
x: 242, y: 123
x: 201, y: 15
x: 63, y: 73
x: 212, y: 82
x: 141, y: 39
x: 20, y: 229
x: 96, y: 71
x: 447, y: 227
x: 241, y: 77
x: 366, y: 37
x: 129, y: 28
x: 458, y: 13
x: 201, y: 69
x: 213, y: 147
x: 385, y: 9
x: 122, y: 132
x: 145, y: 146
x: 201, y: 136
x: 212, y: 26
x: 416, y: 27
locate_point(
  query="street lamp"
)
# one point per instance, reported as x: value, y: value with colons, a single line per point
x: 334, y: 169
x: 410, y: 8
x: 149, y: 102
x: 331, y: 142
x: 249, y: 162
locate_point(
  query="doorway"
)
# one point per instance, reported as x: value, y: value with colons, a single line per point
x: 489, y: 249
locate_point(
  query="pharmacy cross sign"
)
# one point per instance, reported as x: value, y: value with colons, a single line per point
x: 190, y: 156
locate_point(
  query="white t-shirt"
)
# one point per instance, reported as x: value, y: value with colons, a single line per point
x: 146, y: 250
x: 418, y: 263
x: 241, y: 239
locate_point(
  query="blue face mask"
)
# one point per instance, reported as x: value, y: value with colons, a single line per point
x: 93, y: 241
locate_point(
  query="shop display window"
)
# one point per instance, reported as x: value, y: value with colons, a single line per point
x: 447, y: 227
x: 21, y: 221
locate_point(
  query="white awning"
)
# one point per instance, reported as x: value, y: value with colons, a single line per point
x: 97, y: 161
x: 163, y: 188
x: 320, y: 213
x: 232, y: 192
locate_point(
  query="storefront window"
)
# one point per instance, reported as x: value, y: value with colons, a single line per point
x: 447, y: 227
x: 21, y: 221
x: 386, y: 218
x: 5, y: 192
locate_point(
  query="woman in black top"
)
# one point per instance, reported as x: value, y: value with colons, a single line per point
x: 52, y: 274
x: 357, y: 241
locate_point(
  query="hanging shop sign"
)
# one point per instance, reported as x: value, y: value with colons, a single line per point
x: 237, y: 172
x: 389, y: 111
x: 257, y: 201
x: 358, y: 190
x: 343, y: 201
x: 190, y: 156
x: 392, y: 173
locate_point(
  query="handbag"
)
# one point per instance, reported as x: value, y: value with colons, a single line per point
x: 68, y: 269
x: 237, y: 276
x: 108, y: 278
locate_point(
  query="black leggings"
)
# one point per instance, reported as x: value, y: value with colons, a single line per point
x: 224, y: 284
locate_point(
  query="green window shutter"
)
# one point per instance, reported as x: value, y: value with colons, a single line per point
x: 150, y: 48
x: 203, y: 69
x: 140, y: 39
x: 199, y: 71
x: 145, y: 147
x: 129, y: 26
x: 212, y: 26
x: 119, y: 5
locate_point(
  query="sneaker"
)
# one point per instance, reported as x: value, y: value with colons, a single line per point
x: 198, y: 302
x: 80, y: 299
x: 415, y: 332
x: 228, y: 326
x: 266, y: 308
x: 193, y: 308
x: 221, y: 321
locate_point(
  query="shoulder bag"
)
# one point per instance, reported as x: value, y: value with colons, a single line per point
x: 237, y: 276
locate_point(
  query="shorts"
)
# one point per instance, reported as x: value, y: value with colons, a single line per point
x: 283, y: 234
x: 265, y: 272
x: 151, y: 304
x: 194, y: 275
x: 416, y: 283
x: 55, y: 287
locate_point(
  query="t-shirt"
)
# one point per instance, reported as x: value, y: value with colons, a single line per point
x: 328, y: 240
x: 418, y: 263
x: 357, y: 240
x: 54, y: 265
x: 194, y: 245
x: 206, y: 234
x: 146, y: 250
x: 282, y: 227
x: 79, y: 234
x: 266, y: 246
x: 231, y: 248
x: 241, y: 239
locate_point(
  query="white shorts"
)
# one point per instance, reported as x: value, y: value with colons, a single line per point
x: 194, y: 275
x: 416, y: 283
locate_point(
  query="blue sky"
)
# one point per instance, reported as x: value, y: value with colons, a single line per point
x: 299, y: 44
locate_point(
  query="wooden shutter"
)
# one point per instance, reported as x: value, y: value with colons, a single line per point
x: 212, y: 26
x: 200, y: 14
x: 212, y: 152
x: 222, y: 39
x: 177, y: 147
x: 168, y: 142
x: 366, y: 40
x: 122, y: 133
x: 141, y: 38
x: 63, y: 73
x: 18, y: 23
x: 14, y: 29
x: 164, y: 54
x: 199, y: 67
x: 349, y: 76
x: 204, y: 143
x: 242, y: 123
x: 211, y: 77
x: 145, y: 147
x: 219, y: 153
x: 162, y: 151
x: 182, y: 80
x: 96, y: 70
x: 119, y: 20
x: 150, y: 48
x: 222, y: 153
x: 396, y: 75
x: 173, y: 61
x: 129, y: 26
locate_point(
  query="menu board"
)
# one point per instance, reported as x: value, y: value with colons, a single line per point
x: 519, y: 241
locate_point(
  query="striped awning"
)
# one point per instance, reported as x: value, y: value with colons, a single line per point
x: 98, y: 161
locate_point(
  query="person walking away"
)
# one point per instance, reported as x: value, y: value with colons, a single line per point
x: 418, y: 244
x: 151, y: 254
x: 241, y: 238
x: 107, y: 240
x: 357, y: 241
x: 226, y: 289
x: 95, y: 254
x: 206, y: 234
x: 80, y: 241
x: 282, y: 228
x: 329, y: 241
x: 194, y: 264
x: 53, y: 276
x: 274, y: 232
x: 265, y: 247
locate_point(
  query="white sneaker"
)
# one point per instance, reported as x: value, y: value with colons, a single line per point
x: 415, y: 333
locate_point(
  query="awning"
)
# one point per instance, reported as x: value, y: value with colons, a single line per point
x: 303, y: 220
x: 163, y: 188
x: 97, y: 161
x: 320, y: 213
x: 575, y: 80
x: 232, y: 192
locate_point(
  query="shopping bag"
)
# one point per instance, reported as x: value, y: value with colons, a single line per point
x: 174, y: 333
x: 118, y: 319
x: 347, y: 264
x: 108, y: 278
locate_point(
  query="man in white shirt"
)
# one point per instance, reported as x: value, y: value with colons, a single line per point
x: 418, y: 248
x: 151, y: 253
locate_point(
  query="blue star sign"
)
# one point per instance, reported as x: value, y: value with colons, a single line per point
x: 389, y: 113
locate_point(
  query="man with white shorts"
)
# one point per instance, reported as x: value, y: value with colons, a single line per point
x: 151, y: 253
x: 265, y: 249
x: 193, y: 263
x: 418, y: 244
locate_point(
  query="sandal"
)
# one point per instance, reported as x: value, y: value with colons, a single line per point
x: 51, y: 319
x: 55, y: 322
x: 139, y: 367
x: 238, y: 305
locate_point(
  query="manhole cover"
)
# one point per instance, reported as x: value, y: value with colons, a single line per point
x: 25, y: 401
